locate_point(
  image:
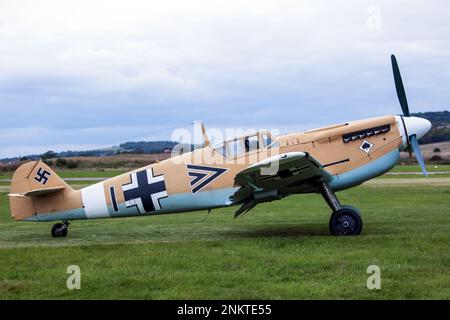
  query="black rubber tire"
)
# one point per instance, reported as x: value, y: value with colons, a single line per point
x: 59, y: 230
x: 346, y: 222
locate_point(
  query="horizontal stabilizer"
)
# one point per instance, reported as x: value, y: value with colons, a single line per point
x: 37, y: 192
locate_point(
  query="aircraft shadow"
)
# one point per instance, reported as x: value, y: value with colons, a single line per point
x: 279, y: 231
x: 314, y: 230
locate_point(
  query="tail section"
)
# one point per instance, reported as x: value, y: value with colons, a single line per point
x: 36, y: 188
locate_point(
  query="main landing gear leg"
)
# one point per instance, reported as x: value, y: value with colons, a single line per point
x: 60, y: 229
x: 344, y: 220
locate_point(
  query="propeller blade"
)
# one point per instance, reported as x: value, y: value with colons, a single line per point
x: 419, y: 157
x: 399, y: 87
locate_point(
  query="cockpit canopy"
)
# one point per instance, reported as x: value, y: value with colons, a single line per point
x: 246, y: 144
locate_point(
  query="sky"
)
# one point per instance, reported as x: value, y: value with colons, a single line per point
x: 78, y: 75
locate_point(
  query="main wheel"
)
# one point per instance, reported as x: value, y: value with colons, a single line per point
x: 346, y: 222
x: 59, y: 230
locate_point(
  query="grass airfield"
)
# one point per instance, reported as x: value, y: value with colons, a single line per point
x: 280, y: 250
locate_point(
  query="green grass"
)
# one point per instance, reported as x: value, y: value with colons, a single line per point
x: 414, y: 176
x: 416, y: 168
x: 278, y: 250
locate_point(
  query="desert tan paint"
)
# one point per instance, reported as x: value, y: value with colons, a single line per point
x: 23, y: 181
x: 325, y: 145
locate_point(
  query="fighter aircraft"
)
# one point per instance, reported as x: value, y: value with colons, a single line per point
x: 244, y: 171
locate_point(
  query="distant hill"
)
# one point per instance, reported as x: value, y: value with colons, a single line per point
x: 149, y: 147
x: 440, y: 130
x: 141, y: 147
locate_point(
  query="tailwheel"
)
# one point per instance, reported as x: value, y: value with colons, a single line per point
x: 60, y: 229
x: 346, y: 222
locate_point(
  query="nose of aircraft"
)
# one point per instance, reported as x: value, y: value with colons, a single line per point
x: 417, y: 126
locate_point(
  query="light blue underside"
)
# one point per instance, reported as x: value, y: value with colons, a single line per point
x: 221, y: 197
x: 366, y: 172
x: 75, y: 214
x: 175, y: 203
x: 183, y: 202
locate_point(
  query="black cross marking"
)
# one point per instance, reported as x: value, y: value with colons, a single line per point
x: 42, y: 176
x: 144, y: 191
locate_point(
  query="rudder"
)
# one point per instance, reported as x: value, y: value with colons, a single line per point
x: 36, y: 188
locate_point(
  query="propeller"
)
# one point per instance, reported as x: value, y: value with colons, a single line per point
x: 419, y: 157
x: 401, y: 94
x: 411, y: 141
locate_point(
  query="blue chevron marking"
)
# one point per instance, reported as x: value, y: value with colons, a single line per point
x: 199, y: 182
x: 197, y: 177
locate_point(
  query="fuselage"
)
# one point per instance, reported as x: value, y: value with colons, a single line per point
x: 351, y: 152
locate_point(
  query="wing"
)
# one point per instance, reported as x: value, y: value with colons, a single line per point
x: 277, y: 177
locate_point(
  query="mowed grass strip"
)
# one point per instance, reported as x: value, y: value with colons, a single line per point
x: 278, y: 250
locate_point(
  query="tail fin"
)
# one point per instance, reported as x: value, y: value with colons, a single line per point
x: 35, y: 188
